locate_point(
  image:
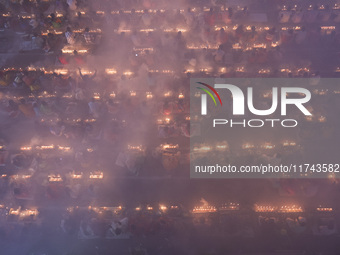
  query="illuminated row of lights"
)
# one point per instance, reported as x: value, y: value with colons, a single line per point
x: 166, y: 120
x: 230, y: 207
x: 206, y: 148
x: 238, y: 46
x: 241, y: 69
x: 161, y: 207
x: 46, y: 147
x: 149, y: 94
x: 98, y: 30
x: 68, y: 149
x: 136, y: 148
x: 23, y: 213
x: 118, y: 31
x: 183, y: 30
x: 34, y: 69
x: 99, y: 210
x: 310, y: 7
x: 57, y: 177
x: 18, y: 176
x: 71, y: 51
x: 169, y: 146
x: 268, y: 145
x: 93, y: 175
x: 68, y: 120
x: 140, y: 11
x: 154, y: 11
x: 282, y: 209
x: 103, y: 209
x: 324, y: 209
x: 204, y: 209
x: 112, y: 71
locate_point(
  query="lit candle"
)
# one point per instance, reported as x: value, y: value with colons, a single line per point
x: 61, y: 71
x: 55, y: 178
x: 248, y: 146
x: 169, y: 146
x: 322, y: 119
x: 149, y: 95
x: 268, y: 146
x: 64, y: 148
x: 26, y: 148
x: 128, y: 73
x: 110, y: 71
x: 222, y: 147
x: 203, y: 148
x: 180, y: 96
x: 163, y: 208
x: 138, y: 147
x: 97, y: 175
x: 288, y: 143
x: 167, y: 94
x: 96, y: 96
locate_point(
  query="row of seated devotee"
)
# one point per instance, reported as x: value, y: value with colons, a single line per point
x: 80, y: 119
x: 311, y: 14
x: 118, y: 222
x: 172, y: 51
x: 147, y: 18
x: 199, y: 27
x: 217, y: 15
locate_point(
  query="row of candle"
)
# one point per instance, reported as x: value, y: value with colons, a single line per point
x: 129, y: 147
x: 163, y: 208
x: 138, y: 148
x: 128, y: 73
x: 211, y: 209
x: 117, y: 209
x: 112, y: 71
x: 103, y: 209
x: 148, y: 95
x: 46, y: 147
x: 58, y: 177
x: 324, y: 209
x: 169, y: 146
x: 138, y: 11
x: 203, y: 148
x: 310, y: 7
x: 118, y: 31
x: 184, y: 30
x: 92, y: 175
x: 204, y: 209
x: 192, y: 9
x: 23, y: 213
x: 282, y: 209
x: 78, y: 31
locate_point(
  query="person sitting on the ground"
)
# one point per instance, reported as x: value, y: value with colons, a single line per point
x: 87, y: 78
x: 89, y: 38
x: 26, y: 109
x: 70, y: 36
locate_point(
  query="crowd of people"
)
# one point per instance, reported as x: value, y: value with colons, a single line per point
x: 90, y: 89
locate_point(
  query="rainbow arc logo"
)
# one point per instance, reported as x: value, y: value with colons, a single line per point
x: 209, y: 93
